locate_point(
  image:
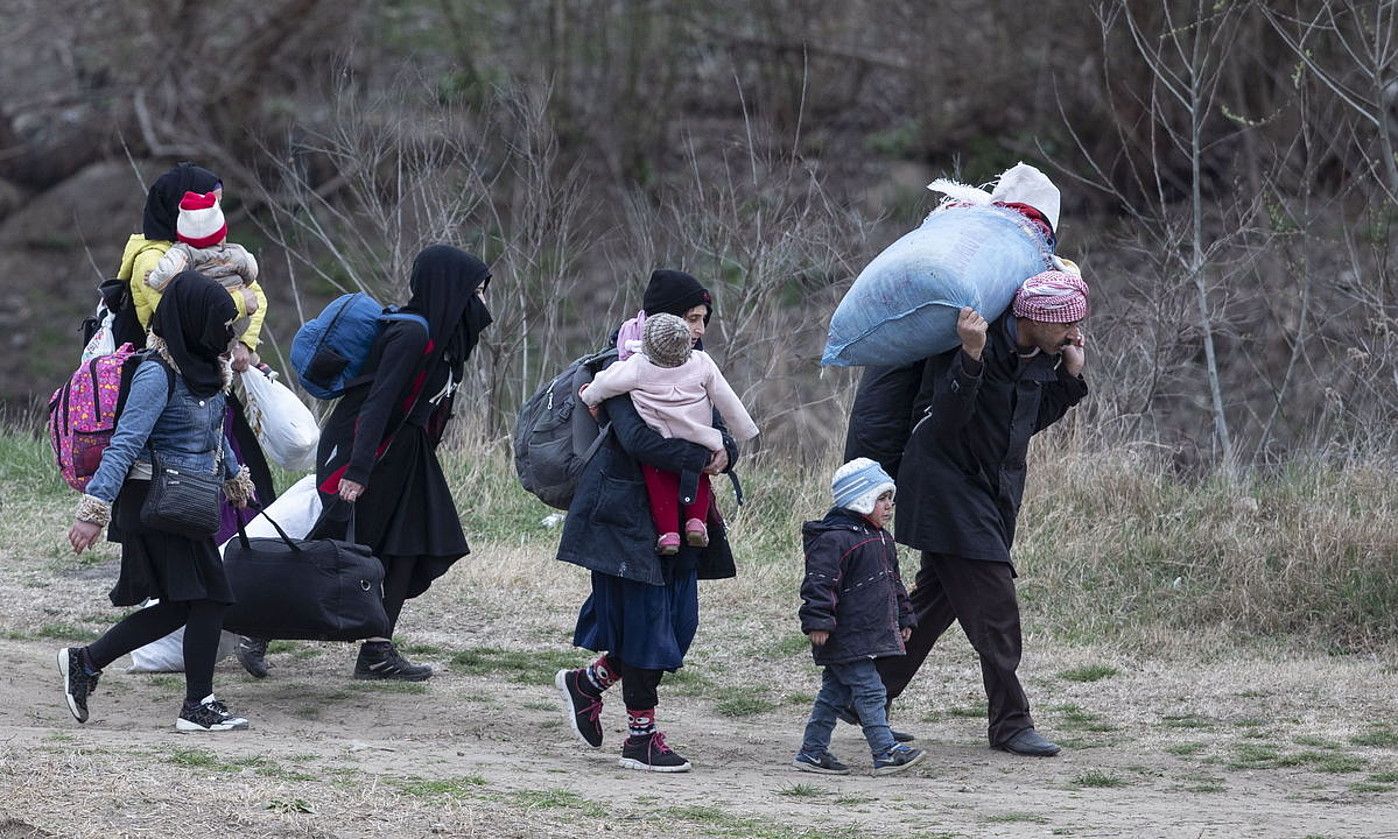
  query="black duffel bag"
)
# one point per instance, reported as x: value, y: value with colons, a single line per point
x: 304, y: 589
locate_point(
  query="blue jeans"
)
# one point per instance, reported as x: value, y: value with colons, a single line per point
x: 856, y: 684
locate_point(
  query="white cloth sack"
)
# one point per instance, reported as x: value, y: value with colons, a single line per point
x: 284, y: 426
x: 296, y: 510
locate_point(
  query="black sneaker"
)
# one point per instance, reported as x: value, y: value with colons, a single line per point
x: 651, y: 754
x: 826, y: 764
x: 209, y: 715
x: 584, y: 710
x: 380, y: 660
x: 899, y: 757
x: 252, y: 654
x: 77, y: 685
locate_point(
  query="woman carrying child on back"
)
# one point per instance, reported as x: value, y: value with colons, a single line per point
x: 174, y: 412
x: 675, y: 389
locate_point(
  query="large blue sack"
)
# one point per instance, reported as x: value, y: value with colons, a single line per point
x: 904, y: 304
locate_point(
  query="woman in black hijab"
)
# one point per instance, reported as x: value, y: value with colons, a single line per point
x: 379, y: 449
x: 175, y: 407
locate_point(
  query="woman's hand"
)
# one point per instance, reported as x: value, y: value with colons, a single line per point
x: 83, y: 535
x: 717, y: 463
x: 906, y: 632
x: 242, y: 356
x: 594, y: 410
x: 350, y: 491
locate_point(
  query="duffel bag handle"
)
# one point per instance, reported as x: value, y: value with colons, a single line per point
x: 262, y: 511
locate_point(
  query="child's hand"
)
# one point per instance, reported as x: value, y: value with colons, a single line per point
x: 906, y: 632
x: 819, y: 636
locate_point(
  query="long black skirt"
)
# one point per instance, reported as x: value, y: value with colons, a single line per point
x: 406, y: 513
x: 159, y: 564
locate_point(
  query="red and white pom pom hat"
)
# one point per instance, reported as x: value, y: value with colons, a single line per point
x: 201, y: 223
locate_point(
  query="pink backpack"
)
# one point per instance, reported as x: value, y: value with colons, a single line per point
x: 83, y: 413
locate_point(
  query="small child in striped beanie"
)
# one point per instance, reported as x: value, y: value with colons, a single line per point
x: 855, y: 610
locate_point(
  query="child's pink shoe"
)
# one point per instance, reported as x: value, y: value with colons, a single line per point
x: 668, y: 544
x: 696, y: 533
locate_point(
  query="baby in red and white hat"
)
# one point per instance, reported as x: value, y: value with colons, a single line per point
x: 203, y: 246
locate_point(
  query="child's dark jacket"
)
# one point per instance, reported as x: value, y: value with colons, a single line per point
x: 852, y: 589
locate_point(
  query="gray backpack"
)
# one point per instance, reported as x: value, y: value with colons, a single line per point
x: 555, y: 436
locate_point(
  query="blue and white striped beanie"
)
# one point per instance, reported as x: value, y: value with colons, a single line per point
x: 858, y: 484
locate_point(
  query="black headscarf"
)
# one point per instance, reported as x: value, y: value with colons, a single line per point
x: 163, y: 199
x: 194, y: 320
x: 443, y: 285
x: 675, y: 293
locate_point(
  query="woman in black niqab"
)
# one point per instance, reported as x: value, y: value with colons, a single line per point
x: 194, y: 320
x: 378, y: 450
x: 443, y: 285
x: 163, y: 199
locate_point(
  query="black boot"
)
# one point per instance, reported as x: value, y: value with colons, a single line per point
x: 380, y: 660
x: 252, y: 654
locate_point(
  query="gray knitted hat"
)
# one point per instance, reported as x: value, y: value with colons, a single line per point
x: 667, y: 342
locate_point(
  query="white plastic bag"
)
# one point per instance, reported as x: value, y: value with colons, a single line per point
x: 284, y: 426
x: 102, y: 342
x: 296, y: 510
x: 167, y: 654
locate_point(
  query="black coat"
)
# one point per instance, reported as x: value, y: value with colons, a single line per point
x: 852, y: 589
x: 608, y: 527
x: 957, y: 439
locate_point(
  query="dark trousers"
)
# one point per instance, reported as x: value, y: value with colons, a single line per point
x: 981, y: 596
x: 203, y: 623
x: 639, y: 685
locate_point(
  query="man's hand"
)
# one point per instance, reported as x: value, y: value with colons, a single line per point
x: 594, y: 410
x: 717, y: 463
x: 1074, y: 358
x: 970, y: 328
x: 818, y: 636
x: 82, y: 535
x: 350, y: 491
x: 906, y: 632
x: 242, y: 356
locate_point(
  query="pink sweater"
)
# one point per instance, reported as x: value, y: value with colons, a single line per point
x: 676, y: 401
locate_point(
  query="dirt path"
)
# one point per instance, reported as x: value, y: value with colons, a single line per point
x: 1255, y: 746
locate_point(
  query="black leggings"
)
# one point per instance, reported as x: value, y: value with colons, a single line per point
x: 639, y: 686
x: 398, y: 576
x: 202, y: 620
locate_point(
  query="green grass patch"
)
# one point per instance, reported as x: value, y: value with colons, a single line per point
x: 741, y: 702
x: 1011, y: 818
x: 1097, y: 779
x: 528, y: 667
x: 791, y: 645
x: 1186, y: 721
x: 803, y: 791
x: 1089, y: 673
x: 559, y: 799
x: 1388, y: 777
x: 1254, y: 756
x: 969, y: 712
x: 64, y: 632
x: 1202, y: 783
x: 1193, y: 747
x: 1369, y: 787
x: 1314, y: 742
x: 463, y: 786
x: 1076, y: 718
x: 715, y: 821
x: 282, y: 647
x: 167, y: 681
x: 1383, y: 736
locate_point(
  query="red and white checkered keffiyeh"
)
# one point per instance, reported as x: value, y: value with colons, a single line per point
x: 1052, y: 297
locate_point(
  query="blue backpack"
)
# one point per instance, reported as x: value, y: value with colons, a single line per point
x: 329, y: 350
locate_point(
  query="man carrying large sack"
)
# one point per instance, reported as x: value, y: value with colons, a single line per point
x: 955, y: 429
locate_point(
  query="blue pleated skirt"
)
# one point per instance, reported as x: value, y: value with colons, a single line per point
x: 644, y: 625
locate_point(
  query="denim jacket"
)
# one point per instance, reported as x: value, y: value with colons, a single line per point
x: 186, y: 430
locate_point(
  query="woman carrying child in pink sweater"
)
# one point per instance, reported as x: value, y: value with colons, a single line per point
x: 675, y: 389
